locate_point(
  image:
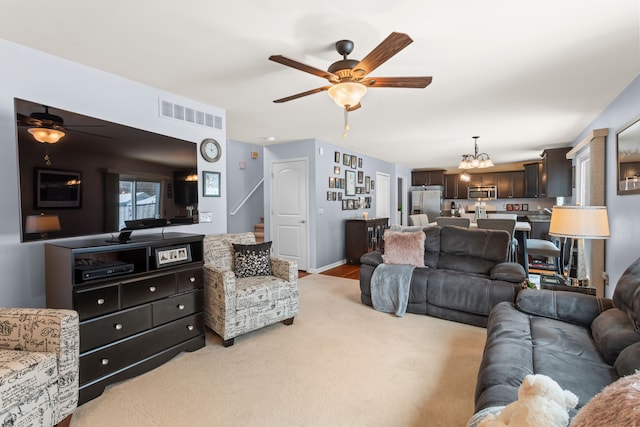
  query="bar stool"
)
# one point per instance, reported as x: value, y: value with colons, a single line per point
x: 545, y: 248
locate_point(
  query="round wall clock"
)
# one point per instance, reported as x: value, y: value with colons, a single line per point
x: 210, y: 150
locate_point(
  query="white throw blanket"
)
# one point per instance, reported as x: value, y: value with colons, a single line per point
x: 390, y: 285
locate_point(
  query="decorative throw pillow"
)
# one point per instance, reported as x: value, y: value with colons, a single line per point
x: 404, y: 248
x: 252, y: 260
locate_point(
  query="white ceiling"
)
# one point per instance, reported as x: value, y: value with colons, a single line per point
x: 522, y: 75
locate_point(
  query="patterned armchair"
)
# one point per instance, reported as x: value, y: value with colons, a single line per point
x: 39, y: 352
x: 237, y: 305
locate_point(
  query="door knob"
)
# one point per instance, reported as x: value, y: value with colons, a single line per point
x: 302, y: 221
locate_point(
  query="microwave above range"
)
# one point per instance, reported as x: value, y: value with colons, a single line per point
x: 482, y: 192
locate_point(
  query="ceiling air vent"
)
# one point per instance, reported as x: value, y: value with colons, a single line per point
x: 189, y: 115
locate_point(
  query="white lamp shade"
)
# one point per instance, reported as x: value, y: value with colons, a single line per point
x: 580, y: 222
x: 347, y: 94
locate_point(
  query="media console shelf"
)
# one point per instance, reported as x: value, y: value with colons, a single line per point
x: 140, y: 303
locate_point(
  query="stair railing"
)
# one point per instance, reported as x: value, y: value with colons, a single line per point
x: 253, y: 190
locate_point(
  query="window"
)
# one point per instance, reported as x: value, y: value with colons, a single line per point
x: 138, y: 200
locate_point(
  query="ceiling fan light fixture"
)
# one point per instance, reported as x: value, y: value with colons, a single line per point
x: 347, y: 94
x: 46, y: 135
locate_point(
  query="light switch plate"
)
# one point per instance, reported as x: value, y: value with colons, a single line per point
x: 206, y: 216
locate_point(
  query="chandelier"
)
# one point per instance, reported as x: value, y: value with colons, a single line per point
x: 472, y: 161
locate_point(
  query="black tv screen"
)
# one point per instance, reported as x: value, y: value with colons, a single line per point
x: 99, y: 174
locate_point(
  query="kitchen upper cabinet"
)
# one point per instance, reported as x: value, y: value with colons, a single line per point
x: 483, y: 179
x: 454, y: 187
x: 532, y: 185
x: 433, y: 177
x: 510, y: 184
x: 556, y: 173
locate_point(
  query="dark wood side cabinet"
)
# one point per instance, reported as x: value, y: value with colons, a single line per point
x: 362, y: 236
x: 140, y: 303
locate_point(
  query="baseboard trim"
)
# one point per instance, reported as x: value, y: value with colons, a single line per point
x: 327, y: 267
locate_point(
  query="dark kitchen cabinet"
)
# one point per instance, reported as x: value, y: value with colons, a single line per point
x: 510, y: 184
x: 556, y: 173
x: 433, y: 177
x: 454, y: 187
x: 483, y: 179
x: 532, y: 185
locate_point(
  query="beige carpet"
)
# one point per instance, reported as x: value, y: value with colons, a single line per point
x: 340, y: 364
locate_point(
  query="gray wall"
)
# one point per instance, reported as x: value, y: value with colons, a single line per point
x: 622, y: 248
x: 38, y: 77
x: 240, y: 182
x: 326, y: 218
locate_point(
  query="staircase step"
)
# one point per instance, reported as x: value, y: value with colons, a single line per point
x: 259, y: 226
x: 259, y: 236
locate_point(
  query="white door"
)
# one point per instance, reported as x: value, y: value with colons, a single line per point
x: 383, y: 195
x: 289, y: 201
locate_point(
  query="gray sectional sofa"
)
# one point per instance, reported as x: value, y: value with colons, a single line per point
x: 464, y: 277
x: 581, y: 341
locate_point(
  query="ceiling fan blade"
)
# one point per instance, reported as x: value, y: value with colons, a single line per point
x: 86, y: 133
x: 300, y: 95
x: 409, y: 82
x: 303, y: 67
x: 27, y: 121
x: 393, y: 44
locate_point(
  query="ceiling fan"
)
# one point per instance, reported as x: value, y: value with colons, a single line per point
x: 349, y: 76
x: 49, y: 128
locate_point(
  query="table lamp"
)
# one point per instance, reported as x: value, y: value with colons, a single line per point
x: 579, y: 223
x: 42, y: 224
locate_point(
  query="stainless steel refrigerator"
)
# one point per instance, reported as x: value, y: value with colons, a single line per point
x: 428, y: 202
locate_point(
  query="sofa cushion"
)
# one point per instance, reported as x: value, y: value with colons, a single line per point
x: 472, y: 250
x: 628, y: 362
x: 432, y: 246
x: 24, y: 374
x: 572, y: 307
x: 252, y: 260
x: 613, y: 332
x: 404, y: 248
x: 509, y: 272
x: 627, y: 294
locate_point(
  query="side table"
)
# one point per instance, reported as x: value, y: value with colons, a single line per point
x: 556, y: 283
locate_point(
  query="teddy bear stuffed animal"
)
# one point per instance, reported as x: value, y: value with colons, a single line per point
x: 541, y: 403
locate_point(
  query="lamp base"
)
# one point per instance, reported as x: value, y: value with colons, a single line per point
x: 580, y: 283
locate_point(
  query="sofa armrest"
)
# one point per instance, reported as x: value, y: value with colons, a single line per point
x: 373, y: 259
x: 508, y: 272
x: 52, y: 331
x: 571, y: 307
x: 285, y: 269
x: 220, y: 300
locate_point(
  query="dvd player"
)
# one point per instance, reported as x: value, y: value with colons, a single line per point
x: 100, y: 271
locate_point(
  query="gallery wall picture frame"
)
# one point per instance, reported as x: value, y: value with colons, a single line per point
x: 360, y: 162
x: 332, y: 182
x: 210, y: 184
x: 360, y: 177
x: 354, y: 162
x: 350, y: 183
x: 346, y: 159
x: 336, y: 157
x: 336, y: 170
x: 367, y: 184
x: 57, y: 188
x: 344, y: 204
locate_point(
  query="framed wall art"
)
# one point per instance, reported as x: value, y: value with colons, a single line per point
x: 57, y: 189
x: 210, y: 184
x: 350, y: 183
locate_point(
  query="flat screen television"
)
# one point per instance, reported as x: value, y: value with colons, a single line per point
x: 99, y: 175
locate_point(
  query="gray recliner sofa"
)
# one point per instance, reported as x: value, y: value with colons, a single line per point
x: 464, y: 277
x: 581, y: 341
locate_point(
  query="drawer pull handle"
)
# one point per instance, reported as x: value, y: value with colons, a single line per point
x: 104, y: 362
x: 190, y: 328
x: 180, y: 306
x: 152, y: 288
x: 118, y: 326
x: 192, y: 279
x: 100, y: 301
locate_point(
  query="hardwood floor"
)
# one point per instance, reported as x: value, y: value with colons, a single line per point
x: 346, y: 271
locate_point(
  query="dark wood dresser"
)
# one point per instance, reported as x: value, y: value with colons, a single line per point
x: 140, y: 303
x: 362, y: 236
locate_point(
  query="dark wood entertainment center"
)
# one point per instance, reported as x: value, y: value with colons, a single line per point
x: 140, y: 303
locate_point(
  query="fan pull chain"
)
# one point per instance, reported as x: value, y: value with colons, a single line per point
x: 46, y: 155
x: 346, y: 122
